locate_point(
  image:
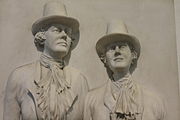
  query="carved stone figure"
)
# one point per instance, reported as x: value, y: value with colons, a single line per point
x: 48, y: 89
x: 121, y: 98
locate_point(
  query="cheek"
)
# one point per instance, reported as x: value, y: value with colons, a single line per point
x: 109, y: 56
x: 51, y: 36
x: 69, y: 42
x: 129, y: 58
x: 109, y: 61
x: 48, y: 42
x: 127, y: 54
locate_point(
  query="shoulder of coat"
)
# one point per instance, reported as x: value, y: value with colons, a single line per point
x: 97, y: 93
x: 23, y: 71
x: 153, y: 99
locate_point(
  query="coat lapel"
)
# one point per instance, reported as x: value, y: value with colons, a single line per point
x: 68, y: 78
x: 32, y: 92
x: 109, y: 101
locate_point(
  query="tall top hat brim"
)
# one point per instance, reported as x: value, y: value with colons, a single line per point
x: 104, y: 41
x: 56, y: 19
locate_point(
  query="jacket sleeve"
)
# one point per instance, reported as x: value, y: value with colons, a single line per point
x: 11, y: 105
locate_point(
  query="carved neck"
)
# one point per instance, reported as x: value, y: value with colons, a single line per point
x: 119, y: 76
x: 53, y: 57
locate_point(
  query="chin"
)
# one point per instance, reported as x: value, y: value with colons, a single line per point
x: 61, y: 52
x: 120, y: 66
x: 61, y: 49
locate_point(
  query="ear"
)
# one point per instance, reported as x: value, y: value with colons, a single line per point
x: 103, y: 59
x: 71, y: 44
x: 134, y: 55
x: 40, y: 36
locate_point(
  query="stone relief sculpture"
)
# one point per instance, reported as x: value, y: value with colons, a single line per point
x: 48, y: 89
x: 121, y: 98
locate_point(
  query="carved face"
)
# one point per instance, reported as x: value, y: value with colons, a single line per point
x: 58, y: 39
x: 119, y: 56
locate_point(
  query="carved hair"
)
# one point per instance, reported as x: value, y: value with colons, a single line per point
x: 39, y: 39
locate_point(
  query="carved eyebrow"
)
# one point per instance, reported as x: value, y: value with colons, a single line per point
x: 55, y: 28
x: 117, y: 44
x: 122, y: 43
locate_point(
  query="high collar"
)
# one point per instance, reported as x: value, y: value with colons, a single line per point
x: 37, y: 72
x: 124, y: 83
x: 48, y: 61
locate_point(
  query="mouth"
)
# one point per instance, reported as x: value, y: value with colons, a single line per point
x: 63, y: 43
x: 118, y: 59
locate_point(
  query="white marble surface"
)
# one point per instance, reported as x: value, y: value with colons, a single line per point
x: 152, y: 21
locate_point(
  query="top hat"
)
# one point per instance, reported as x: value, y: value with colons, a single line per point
x: 55, y: 13
x: 117, y: 32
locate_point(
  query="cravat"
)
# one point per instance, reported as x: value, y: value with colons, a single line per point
x: 125, y: 93
x: 54, y: 94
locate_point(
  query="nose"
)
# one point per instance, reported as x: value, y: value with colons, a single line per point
x: 117, y: 48
x: 64, y: 35
x: 117, y: 51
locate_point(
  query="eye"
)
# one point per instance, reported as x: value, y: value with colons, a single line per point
x: 111, y: 48
x: 68, y: 31
x: 57, y: 30
x: 122, y: 47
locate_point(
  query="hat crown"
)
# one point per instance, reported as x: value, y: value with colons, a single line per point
x: 54, y: 8
x: 116, y: 27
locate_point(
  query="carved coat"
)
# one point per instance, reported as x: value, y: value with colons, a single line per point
x: 99, y: 104
x: 20, y: 100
